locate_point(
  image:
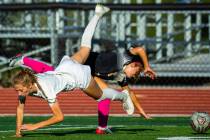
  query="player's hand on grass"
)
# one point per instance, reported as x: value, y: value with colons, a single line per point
x: 146, y: 116
x: 28, y: 127
x: 17, y: 135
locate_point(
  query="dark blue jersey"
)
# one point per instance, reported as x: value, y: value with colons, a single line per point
x: 109, y: 65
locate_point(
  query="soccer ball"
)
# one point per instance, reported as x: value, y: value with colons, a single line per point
x: 200, y: 122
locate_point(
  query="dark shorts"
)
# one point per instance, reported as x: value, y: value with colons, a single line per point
x: 91, y: 61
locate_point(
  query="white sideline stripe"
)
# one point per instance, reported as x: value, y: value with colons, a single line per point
x: 183, y: 138
x: 59, y: 127
x: 64, y: 128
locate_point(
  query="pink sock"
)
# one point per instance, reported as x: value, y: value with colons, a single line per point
x: 103, y: 113
x: 37, y: 66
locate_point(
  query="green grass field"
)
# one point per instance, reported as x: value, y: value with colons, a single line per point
x: 124, y: 128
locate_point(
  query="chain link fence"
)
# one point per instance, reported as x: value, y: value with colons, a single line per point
x: 176, y: 37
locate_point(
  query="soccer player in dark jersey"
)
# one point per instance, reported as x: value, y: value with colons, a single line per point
x: 118, y: 67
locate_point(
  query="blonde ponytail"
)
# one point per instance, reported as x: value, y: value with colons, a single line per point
x: 25, y: 77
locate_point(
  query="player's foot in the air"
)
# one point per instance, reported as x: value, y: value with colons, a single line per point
x: 16, y: 60
x: 100, y: 10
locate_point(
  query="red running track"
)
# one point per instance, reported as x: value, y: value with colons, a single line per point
x: 155, y: 101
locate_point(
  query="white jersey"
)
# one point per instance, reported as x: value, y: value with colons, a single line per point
x: 67, y: 76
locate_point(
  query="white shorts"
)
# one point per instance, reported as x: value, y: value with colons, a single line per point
x: 76, y: 74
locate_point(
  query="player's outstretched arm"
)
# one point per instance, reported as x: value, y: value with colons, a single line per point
x: 57, y: 117
x: 19, y: 118
x: 136, y: 103
x: 140, y: 51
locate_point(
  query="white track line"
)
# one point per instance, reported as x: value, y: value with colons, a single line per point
x: 184, y: 138
x: 64, y: 128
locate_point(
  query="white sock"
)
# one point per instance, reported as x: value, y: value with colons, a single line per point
x: 89, y: 31
x: 112, y: 94
x: 102, y: 128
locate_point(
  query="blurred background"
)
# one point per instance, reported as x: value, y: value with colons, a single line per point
x: 175, y: 34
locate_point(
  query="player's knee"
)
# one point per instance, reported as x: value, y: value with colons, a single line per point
x: 60, y: 118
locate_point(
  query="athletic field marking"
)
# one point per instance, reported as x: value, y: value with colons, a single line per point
x: 184, y: 138
x: 57, y: 127
x: 64, y: 128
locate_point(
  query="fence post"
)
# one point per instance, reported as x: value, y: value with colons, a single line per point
x: 141, y: 24
x: 170, y: 37
x: 198, y: 31
x: 118, y: 20
x: 53, y: 38
x: 158, y: 20
x: 28, y: 18
x: 68, y: 45
x: 99, y: 29
x: 188, y: 34
x: 120, y: 27
x: 128, y: 24
x: 59, y: 21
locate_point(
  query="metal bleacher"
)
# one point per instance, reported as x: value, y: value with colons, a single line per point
x: 176, y: 36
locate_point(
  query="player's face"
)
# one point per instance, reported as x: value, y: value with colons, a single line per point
x: 132, y: 70
x: 22, y: 90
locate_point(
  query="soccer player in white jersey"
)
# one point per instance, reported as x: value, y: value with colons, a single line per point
x: 69, y: 74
